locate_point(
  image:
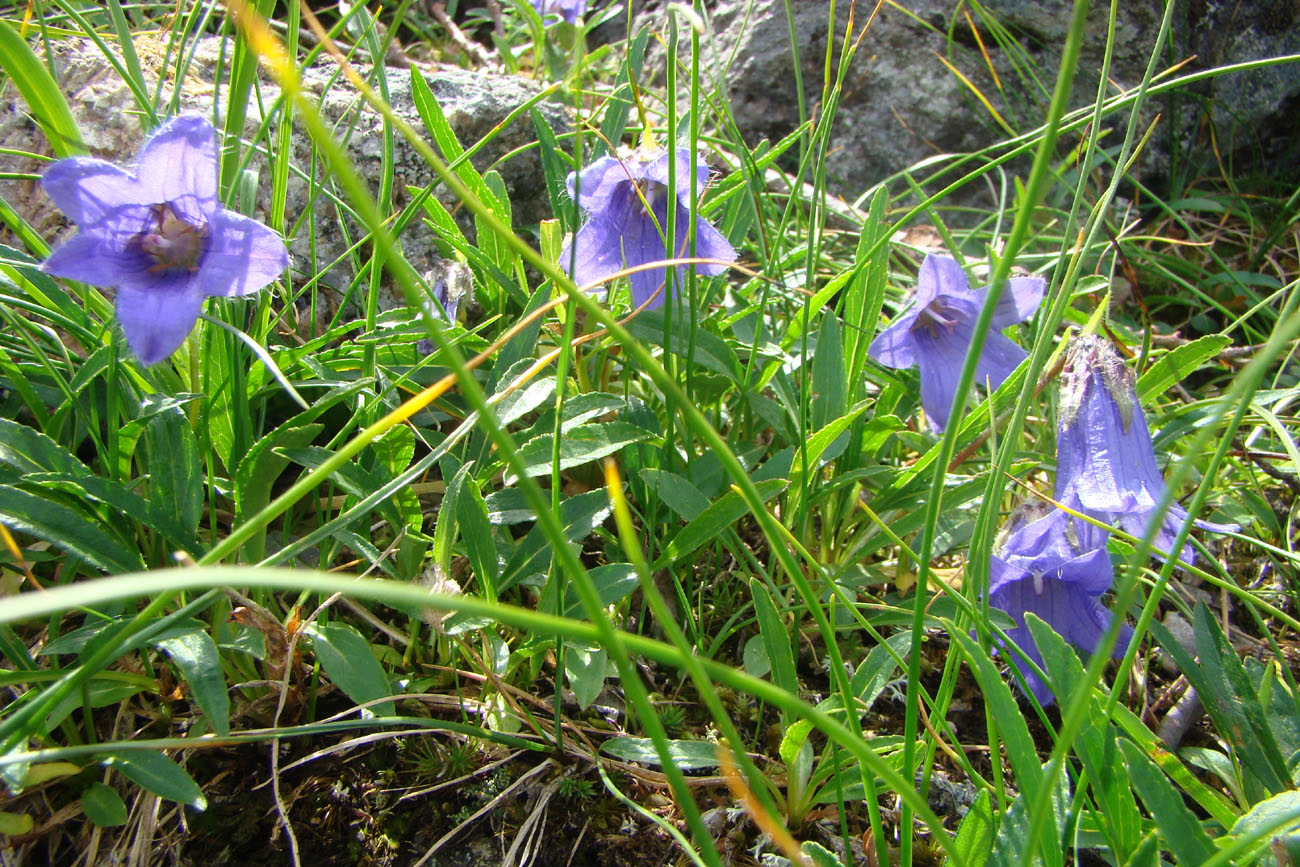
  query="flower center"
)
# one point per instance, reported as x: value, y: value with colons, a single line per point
x: 171, y: 242
x: 936, y: 315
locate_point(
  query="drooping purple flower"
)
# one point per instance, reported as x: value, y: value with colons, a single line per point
x: 160, y: 236
x: 569, y: 10
x: 1056, y: 566
x: 936, y: 332
x: 1104, y: 457
x: 628, y: 201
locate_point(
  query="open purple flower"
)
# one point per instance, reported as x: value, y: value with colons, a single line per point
x: 1104, y: 457
x: 1057, y: 567
x: 936, y: 332
x: 160, y: 235
x: 628, y: 202
x: 569, y: 10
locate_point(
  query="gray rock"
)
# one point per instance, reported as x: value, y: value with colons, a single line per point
x: 901, y: 105
x: 475, y: 103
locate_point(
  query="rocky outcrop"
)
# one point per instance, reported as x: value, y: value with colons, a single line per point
x: 903, y: 99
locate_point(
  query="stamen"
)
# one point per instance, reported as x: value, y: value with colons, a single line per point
x: 171, y: 242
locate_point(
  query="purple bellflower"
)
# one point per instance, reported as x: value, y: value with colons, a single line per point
x: 1057, y: 567
x: 569, y: 10
x: 935, y: 333
x: 160, y: 236
x: 628, y: 202
x: 1104, y: 458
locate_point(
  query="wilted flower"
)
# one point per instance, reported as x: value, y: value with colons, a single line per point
x: 628, y: 202
x: 1104, y: 457
x: 569, y: 10
x: 936, y: 333
x: 160, y: 235
x: 1056, y: 566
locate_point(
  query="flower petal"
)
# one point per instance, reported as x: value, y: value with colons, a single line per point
x: 940, y: 359
x: 657, y: 170
x: 1019, y: 301
x: 242, y: 256
x: 940, y: 275
x: 598, y: 256
x: 88, y: 190
x: 642, y: 243
x: 595, y: 187
x: 87, y: 258
x: 709, y: 244
x: 998, y: 359
x: 895, y: 346
x: 178, y: 164
x: 157, y: 322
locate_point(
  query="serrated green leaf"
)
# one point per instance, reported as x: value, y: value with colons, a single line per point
x: 67, y: 529
x: 347, y: 659
x: 1276, y: 819
x: 28, y: 450
x: 974, y: 841
x: 1177, y: 364
x: 154, y: 772
x: 1178, y: 826
x: 579, y: 446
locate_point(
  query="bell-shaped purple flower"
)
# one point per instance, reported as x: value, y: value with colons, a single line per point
x: 628, y: 202
x: 1057, y: 567
x: 1104, y: 457
x: 936, y: 332
x: 160, y: 235
x: 569, y: 10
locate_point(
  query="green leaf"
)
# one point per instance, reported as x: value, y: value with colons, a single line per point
x: 875, y: 672
x: 103, y: 806
x: 776, y: 641
x: 195, y: 655
x: 1117, y: 812
x: 678, y: 492
x: 176, y: 482
x: 347, y: 659
x: 819, y: 855
x: 829, y: 392
x: 585, y: 667
x: 722, y: 513
x: 154, y: 772
x: 1276, y: 819
x: 974, y: 841
x: 1175, y: 365
x: 1012, y: 728
x: 95, y: 694
x: 1013, y: 832
x: 687, y: 755
x: 42, y: 94
x: 476, y: 531
x: 704, y: 348
x: 14, y: 824
x: 613, y: 582
x: 1178, y: 826
x: 1230, y: 699
x: 581, y: 445
x: 28, y: 450
x: 67, y: 529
